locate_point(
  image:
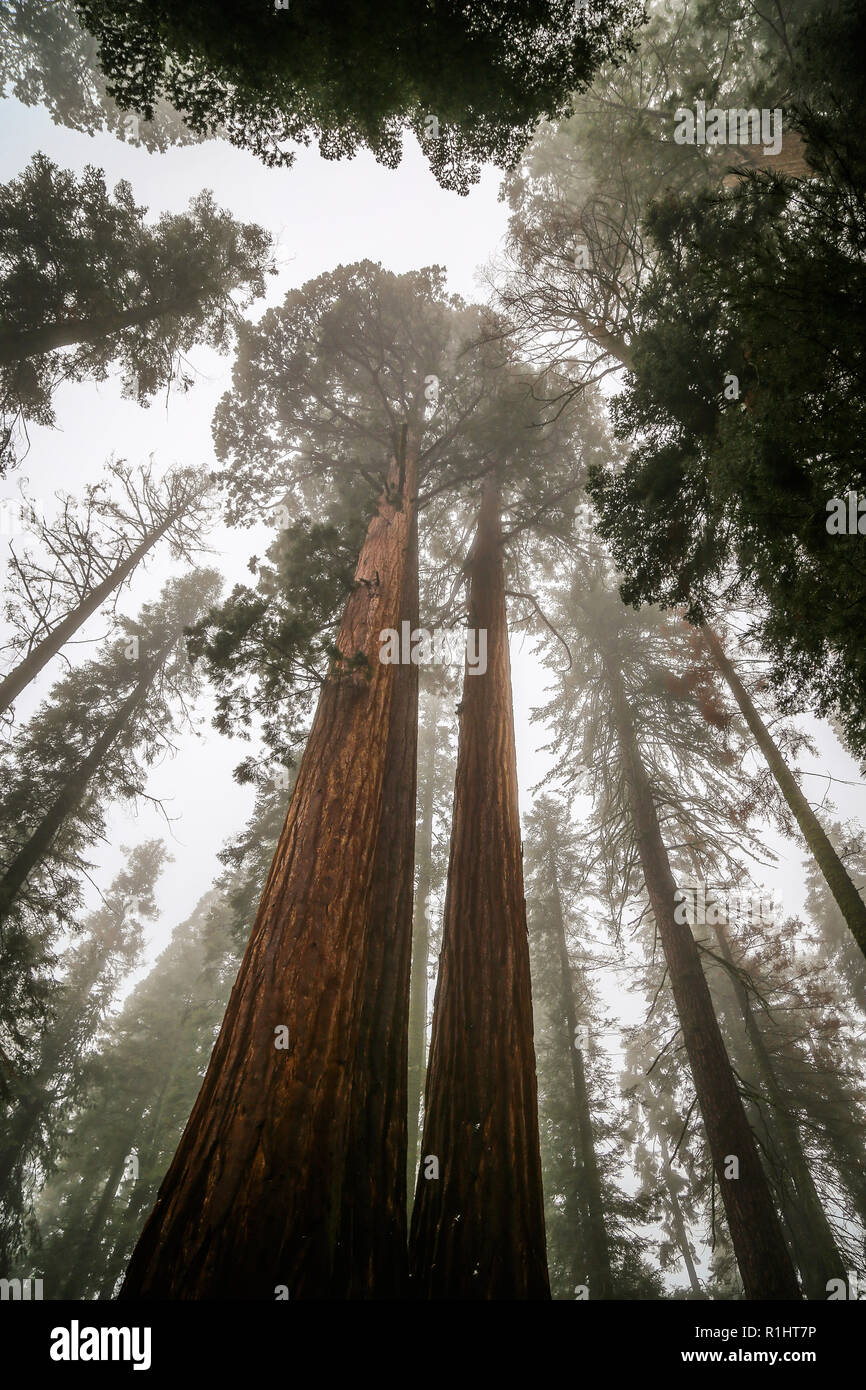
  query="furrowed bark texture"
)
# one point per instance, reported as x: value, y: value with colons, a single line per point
x: 254, y: 1196
x: 420, y: 952
x: 838, y: 880
x: 478, y: 1230
x: 374, y: 1224
x: 762, y: 1256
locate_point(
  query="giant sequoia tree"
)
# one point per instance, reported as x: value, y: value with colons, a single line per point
x: 340, y: 378
x: 358, y: 76
x: 251, y: 1198
x: 360, y: 375
x: 478, y: 1216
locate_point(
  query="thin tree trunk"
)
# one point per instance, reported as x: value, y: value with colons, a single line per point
x: 114, y: 1263
x: 253, y: 1197
x: 420, y: 954
x: 600, y: 1275
x: 765, y: 1265
x: 679, y: 1224
x: 60, y: 1048
x: 851, y: 905
x: 82, y: 1265
x: 27, y: 670
x: 816, y: 1251
x: 148, y: 1149
x: 48, y: 337
x: 373, y: 1237
x: 40, y: 840
x: 478, y: 1227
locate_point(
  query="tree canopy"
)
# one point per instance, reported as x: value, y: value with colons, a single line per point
x: 360, y: 73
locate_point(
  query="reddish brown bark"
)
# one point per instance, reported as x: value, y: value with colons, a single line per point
x: 254, y: 1197
x: 762, y: 1256
x: 421, y: 951
x: 478, y: 1230
x: 373, y: 1233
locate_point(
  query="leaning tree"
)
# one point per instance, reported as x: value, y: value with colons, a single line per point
x: 87, y: 285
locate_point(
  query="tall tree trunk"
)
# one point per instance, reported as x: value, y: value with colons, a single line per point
x: 420, y: 953
x: 599, y: 1273
x: 39, y: 842
x: 478, y: 1227
x: 27, y: 670
x: 254, y: 1195
x: 114, y: 1261
x: 851, y: 905
x: 48, y: 337
x: 373, y: 1236
x: 817, y: 1254
x: 765, y: 1265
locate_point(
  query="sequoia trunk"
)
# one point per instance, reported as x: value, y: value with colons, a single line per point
x: 478, y: 1218
x: 254, y: 1197
x: 420, y: 952
x: 373, y: 1236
